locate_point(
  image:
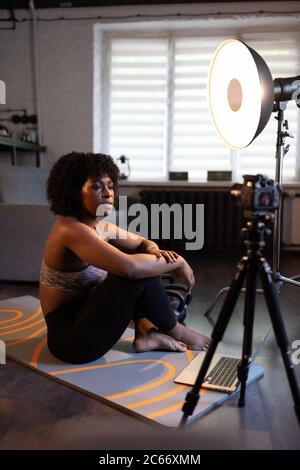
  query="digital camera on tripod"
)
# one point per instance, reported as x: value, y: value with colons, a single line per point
x: 258, y: 195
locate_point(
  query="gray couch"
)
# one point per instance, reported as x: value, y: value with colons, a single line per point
x: 25, y: 221
x: 24, y: 230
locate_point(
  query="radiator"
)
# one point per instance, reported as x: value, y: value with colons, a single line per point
x: 222, y: 220
x: 291, y: 219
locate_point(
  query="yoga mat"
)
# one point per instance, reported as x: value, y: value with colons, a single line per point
x: 139, y: 383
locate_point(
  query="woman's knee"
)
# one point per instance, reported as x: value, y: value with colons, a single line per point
x: 151, y: 282
x: 134, y: 282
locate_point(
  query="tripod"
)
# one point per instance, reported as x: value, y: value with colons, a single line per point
x: 247, y: 268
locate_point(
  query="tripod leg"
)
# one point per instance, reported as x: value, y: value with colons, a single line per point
x: 229, y: 303
x: 249, y: 310
x: 271, y: 296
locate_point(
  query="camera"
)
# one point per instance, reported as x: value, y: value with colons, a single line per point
x: 258, y: 194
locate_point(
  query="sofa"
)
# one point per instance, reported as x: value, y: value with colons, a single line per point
x: 25, y: 221
x: 24, y: 230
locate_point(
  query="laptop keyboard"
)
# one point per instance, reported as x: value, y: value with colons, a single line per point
x: 224, y: 373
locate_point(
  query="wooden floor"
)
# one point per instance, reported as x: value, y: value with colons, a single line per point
x: 38, y: 413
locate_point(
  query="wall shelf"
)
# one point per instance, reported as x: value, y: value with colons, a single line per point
x: 7, y: 143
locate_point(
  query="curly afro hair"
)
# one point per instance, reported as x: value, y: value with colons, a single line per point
x: 69, y: 173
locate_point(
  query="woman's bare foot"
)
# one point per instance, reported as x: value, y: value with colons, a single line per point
x: 191, y: 338
x: 157, y: 341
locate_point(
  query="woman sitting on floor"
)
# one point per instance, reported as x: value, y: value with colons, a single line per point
x: 89, y: 288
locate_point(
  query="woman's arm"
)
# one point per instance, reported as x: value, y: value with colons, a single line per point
x: 146, y: 246
x: 127, y: 240
x: 85, y: 243
x: 121, y: 238
x: 146, y: 268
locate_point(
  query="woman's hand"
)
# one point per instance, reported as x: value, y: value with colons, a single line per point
x: 170, y: 256
x: 186, y: 274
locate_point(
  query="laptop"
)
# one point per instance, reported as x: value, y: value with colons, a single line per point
x: 221, y: 375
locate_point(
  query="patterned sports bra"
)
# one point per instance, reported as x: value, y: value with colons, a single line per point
x: 71, y: 281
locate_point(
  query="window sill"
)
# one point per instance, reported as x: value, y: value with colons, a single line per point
x: 191, y: 184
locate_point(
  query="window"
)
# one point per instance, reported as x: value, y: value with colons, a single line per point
x: 155, y: 110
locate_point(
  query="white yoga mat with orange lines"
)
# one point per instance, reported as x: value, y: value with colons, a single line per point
x: 140, y: 383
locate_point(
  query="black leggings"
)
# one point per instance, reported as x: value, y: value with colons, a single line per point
x: 84, y: 330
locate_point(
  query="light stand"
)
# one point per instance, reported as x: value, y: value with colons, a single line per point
x: 281, y: 151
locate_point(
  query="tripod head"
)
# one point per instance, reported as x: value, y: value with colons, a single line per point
x: 255, y: 231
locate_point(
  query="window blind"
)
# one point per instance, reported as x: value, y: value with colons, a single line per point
x: 157, y: 111
x: 195, y: 146
x: 138, y: 104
